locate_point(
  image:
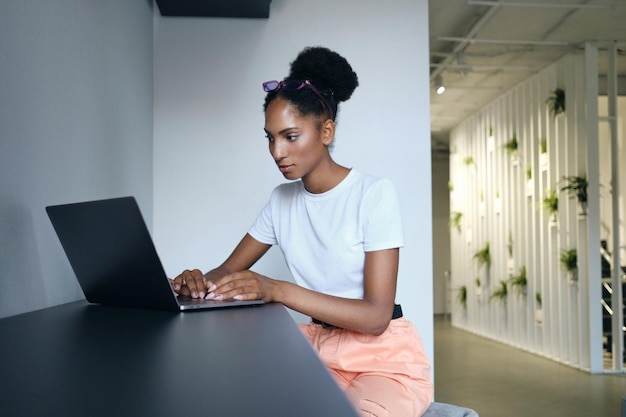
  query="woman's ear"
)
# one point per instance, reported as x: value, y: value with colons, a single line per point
x: 328, y: 132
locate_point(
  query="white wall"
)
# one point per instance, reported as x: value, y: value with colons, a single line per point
x: 212, y: 170
x: 442, y: 302
x: 75, y: 124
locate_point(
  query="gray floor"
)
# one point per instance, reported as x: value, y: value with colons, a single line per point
x: 497, y: 380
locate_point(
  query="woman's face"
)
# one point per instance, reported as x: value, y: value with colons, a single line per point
x: 297, y: 143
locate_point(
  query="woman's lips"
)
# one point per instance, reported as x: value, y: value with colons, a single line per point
x: 285, y: 168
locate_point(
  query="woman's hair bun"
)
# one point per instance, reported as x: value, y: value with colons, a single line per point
x: 327, y: 70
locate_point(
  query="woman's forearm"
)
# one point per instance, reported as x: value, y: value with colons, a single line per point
x: 364, y: 316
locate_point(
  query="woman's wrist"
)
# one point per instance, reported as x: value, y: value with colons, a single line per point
x: 281, y: 291
x: 215, y: 274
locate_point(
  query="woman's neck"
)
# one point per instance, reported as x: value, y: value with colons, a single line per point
x: 323, y: 180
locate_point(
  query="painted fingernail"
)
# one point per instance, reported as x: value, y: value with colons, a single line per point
x: 210, y: 296
x: 238, y: 297
x: 212, y: 287
x: 195, y: 294
x: 201, y: 294
x: 219, y: 296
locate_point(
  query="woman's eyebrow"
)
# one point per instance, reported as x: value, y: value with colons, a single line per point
x: 285, y: 130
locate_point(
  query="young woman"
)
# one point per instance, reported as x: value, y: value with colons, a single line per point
x: 340, y: 232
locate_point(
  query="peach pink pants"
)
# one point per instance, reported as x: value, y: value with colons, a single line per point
x: 384, y: 376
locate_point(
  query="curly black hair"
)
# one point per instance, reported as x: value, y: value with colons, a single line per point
x: 328, y: 72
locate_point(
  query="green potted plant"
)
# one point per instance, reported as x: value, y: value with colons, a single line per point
x: 501, y: 293
x: 538, y: 298
x: 577, y: 185
x: 551, y: 204
x: 512, y: 145
x: 519, y: 281
x: 461, y: 296
x: 569, y: 263
x: 538, y: 309
x: 543, y: 156
x: 509, y: 245
x: 483, y: 256
x: 468, y: 161
x: 530, y: 186
x: 543, y: 143
x: 497, y: 203
x: 556, y: 102
x: 479, y: 289
x: 455, y: 220
x: 509, y: 248
x: 482, y: 208
x: 491, y: 140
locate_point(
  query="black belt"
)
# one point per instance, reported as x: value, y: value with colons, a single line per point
x: 397, y: 313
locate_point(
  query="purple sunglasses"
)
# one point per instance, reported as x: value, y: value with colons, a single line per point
x: 295, y: 85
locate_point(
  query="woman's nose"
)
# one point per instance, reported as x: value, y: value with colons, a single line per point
x: 278, y: 150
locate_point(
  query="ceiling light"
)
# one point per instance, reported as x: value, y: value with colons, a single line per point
x: 439, y: 87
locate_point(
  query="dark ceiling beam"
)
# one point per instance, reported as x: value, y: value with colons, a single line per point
x: 259, y: 9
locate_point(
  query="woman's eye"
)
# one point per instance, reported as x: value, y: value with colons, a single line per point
x: 269, y: 138
x: 292, y: 137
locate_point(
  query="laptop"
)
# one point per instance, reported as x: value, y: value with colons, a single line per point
x: 113, y: 256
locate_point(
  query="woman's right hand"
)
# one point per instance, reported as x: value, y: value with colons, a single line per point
x: 195, y: 284
x: 192, y: 283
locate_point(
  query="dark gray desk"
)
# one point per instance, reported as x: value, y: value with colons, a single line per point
x: 87, y: 360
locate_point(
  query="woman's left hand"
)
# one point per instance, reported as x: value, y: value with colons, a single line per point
x: 244, y: 285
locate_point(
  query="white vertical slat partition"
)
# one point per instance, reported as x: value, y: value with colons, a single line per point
x: 497, y: 201
x: 617, y: 296
x: 589, y: 154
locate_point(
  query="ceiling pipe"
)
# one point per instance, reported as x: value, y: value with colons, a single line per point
x: 471, y: 67
x: 544, y: 5
x: 479, y: 87
x: 464, y: 42
x: 460, y: 47
x: 470, y: 40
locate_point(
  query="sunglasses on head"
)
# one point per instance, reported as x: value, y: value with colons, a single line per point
x: 295, y: 85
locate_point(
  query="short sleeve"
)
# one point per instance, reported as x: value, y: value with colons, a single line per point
x: 381, y: 218
x: 263, y: 228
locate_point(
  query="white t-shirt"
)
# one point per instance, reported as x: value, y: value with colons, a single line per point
x: 324, y: 237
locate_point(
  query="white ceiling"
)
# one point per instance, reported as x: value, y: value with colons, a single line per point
x: 512, y: 40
